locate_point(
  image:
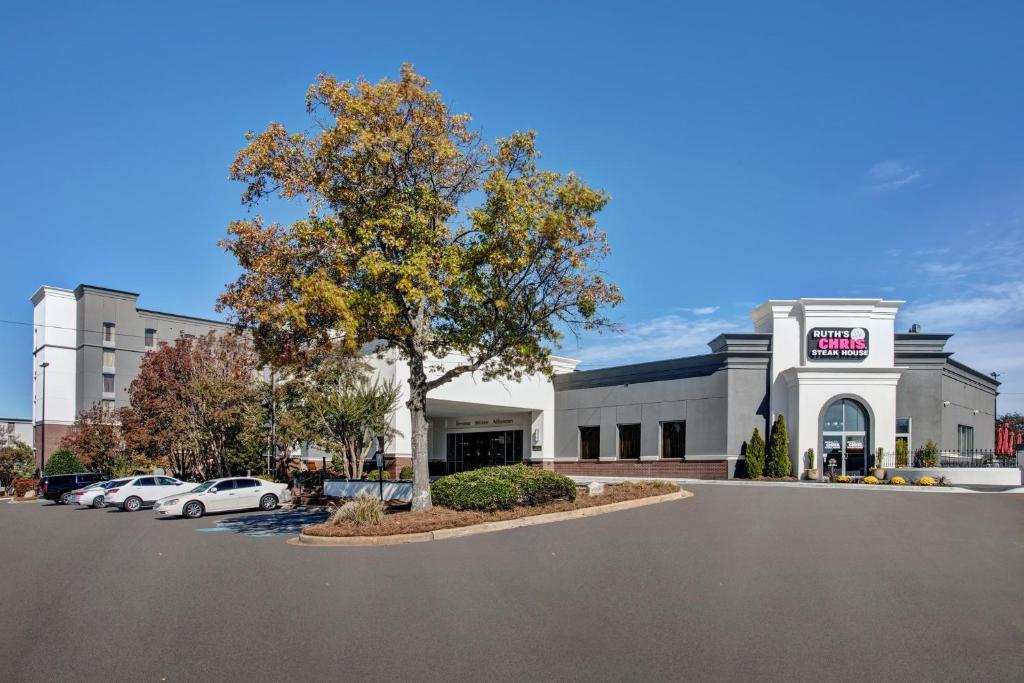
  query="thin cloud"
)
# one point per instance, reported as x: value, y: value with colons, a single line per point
x: 891, y: 174
x: 668, y: 336
x: 705, y: 310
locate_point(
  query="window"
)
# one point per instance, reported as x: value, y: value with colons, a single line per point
x: 108, y: 333
x: 108, y: 384
x: 108, y: 358
x: 226, y: 485
x: 903, y: 431
x: 673, y: 439
x: 146, y: 481
x: 150, y: 338
x: 590, y: 443
x: 629, y: 442
x: 965, y: 438
x: 167, y: 481
x: 245, y: 484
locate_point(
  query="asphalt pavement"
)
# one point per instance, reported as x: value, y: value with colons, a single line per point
x: 735, y: 583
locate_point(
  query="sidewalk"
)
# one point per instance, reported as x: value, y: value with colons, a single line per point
x: 807, y: 485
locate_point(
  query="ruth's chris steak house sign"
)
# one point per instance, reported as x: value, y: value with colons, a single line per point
x: 837, y: 343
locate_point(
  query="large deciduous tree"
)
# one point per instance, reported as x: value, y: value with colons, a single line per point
x: 17, y: 461
x: 418, y: 236
x: 96, y: 437
x: 196, y: 406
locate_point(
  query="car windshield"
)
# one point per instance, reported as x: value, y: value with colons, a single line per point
x: 202, y: 487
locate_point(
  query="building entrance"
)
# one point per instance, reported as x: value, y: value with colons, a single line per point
x: 471, y: 450
x: 844, y: 436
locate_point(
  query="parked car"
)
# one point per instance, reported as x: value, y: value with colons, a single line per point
x: 140, y: 492
x: 94, y: 495
x: 221, y: 495
x: 58, y: 487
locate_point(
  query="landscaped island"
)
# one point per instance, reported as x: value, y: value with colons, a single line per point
x: 486, y: 495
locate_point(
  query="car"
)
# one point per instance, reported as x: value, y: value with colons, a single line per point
x: 144, y: 491
x: 94, y: 495
x: 222, y: 495
x: 58, y: 487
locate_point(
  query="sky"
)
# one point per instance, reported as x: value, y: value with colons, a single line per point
x: 751, y: 150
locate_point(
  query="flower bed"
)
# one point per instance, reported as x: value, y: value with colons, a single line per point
x: 895, y: 481
x: 403, y: 522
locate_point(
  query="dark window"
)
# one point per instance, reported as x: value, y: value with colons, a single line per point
x: 965, y: 438
x: 590, y: 443
x: 150, y: 337
x: 108, y: 332
x: 167, y: 481
x: 108, y: 384
x: 629, y: 442
x: 673, y: 439
x: 226, y: 485
x: 245, y: 484
x: 146, y: 481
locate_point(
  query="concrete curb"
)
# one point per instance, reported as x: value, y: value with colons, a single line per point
x: 807, y: 486
x: 486, y: 527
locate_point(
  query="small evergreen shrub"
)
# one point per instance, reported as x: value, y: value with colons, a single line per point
x: 361, y: 511
x: 63, y: 462
x: 405, y: 472
x: 928, y: 455
x: 809, y: 458
x: 376, y: 475
x: 501, y: 488
x: 778, y: 464
x: 901, y: 453
x: 755, y: 455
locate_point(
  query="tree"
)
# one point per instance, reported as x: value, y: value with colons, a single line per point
x: 755, y: 455
x: 779, y: 464
x: 418, y: 237
x: 17, y: 461
x: 63, y: 461
x: 96, y: 437
x: 196, y: 407
x: 344, y: 409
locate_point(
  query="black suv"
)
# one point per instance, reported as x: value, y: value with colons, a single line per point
x: 58, y: 487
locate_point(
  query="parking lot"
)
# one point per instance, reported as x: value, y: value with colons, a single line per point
x: 734, y: 583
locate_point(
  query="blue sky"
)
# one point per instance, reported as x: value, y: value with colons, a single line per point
x: 752, y: 151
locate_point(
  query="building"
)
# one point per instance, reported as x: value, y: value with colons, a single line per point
x: 93, y: 339
x: 845, y: 380
x: 14, y: 430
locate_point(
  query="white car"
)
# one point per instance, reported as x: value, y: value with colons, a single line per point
x: 221, y: 495
x: 140, y: 492
x: 94, y: 495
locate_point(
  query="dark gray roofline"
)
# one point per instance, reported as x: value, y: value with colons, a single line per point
x: 222, y: 323
x: 654, y: 371
x: 26, y: 420
x: 980, y: 375
x: 79, y: 288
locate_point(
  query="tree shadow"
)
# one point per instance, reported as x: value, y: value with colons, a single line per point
x: 280, y: 523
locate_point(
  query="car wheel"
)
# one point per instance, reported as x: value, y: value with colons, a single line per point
x: 268, y: 502
x: 133, y: 504
x: 65, y: 498
x: 192, y: 510
x: 98, y: 502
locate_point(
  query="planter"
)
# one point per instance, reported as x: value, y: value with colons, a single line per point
x: 878, y: 473
x: 812, y: 474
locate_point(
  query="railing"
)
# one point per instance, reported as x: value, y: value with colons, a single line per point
x: 950, y: 458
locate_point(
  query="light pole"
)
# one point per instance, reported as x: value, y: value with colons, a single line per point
x: 995, y: 401
x: 42, y: 444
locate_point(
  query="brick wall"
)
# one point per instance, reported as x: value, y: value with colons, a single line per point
x: 692, y: 469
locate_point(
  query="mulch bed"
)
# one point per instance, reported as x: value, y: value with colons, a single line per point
x: 403, y: 522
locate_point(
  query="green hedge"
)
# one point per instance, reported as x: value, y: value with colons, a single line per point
x: 501, y: 488
x: 375, y: 475
x: 63, y: 462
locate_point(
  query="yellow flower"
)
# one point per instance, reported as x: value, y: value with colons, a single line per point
x: 926, y: 481
x: 870, y: 480
x: 897, y: 481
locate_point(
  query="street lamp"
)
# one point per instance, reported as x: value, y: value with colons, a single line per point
x: 42, y: 445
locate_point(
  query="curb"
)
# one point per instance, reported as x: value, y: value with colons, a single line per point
x: 807, y: 486
x: 484, y: 528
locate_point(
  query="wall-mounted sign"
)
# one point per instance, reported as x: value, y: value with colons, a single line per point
x: 463, y: 422
x: 837, y: 343
x: 832, y: 445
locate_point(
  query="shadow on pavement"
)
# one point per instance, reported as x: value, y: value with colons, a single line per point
x: 282, y: 523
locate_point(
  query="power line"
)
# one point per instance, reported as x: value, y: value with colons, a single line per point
x: 82, y: 329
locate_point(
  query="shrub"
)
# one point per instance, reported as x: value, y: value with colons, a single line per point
x: 377, y: 475
x: 405, y: 472
x: 809, y: 458
x: 755, y: 455
x: 361, y: 511
x: 869, y: 480
x: 897, y: 481
x: 63, y: 462
x: 23, y: 486
x: 925, y: 481
x: 843, y: 479
x: 778, y: 464
x: 901, y: 453
x: 501, y: 488
x: 928, y: 455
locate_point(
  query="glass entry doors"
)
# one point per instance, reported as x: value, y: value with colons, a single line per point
x: 844, y: 436
x: 471, y: 450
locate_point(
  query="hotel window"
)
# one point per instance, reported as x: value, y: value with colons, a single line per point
x: 965, y: 438
x: 903, y: 431
x: 108, y: 333
x: 108, y: 359
x: 108, y: 384
x: 629, y: 442
x: 673, y: 439
x: 590, y: 443
x: 150, y: 338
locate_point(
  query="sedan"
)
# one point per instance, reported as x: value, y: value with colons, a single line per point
x: 94, y: 496
x: 222, y: 495
x: 140, y: 492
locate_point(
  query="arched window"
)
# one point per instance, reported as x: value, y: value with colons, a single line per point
x: 844, y: 430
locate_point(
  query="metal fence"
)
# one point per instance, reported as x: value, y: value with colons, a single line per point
x: 948, y: 458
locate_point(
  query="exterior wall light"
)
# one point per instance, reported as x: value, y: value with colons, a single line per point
x: 945, y: 404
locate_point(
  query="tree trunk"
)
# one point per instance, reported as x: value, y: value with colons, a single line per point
x: 417, y: 405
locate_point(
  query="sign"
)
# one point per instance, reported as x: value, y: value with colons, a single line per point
x: 832, y: 444
x: 463, y: 422
x: 837, y: 343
